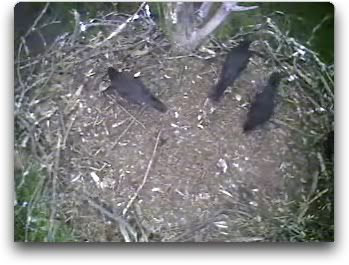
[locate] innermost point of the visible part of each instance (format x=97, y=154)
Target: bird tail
x=218, y=91
x=157, y=104
x=248, y=126
x=274, y=81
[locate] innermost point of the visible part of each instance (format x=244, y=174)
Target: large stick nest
x=117, y=172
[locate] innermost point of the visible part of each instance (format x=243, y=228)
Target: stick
x=67, y=131
x=133, y=117
x=123, y=25
x=145, y=176
x=127, y=128
x=32, y=28
x=117, y=219
x=76, y=27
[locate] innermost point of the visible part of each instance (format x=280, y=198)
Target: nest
x=118, y=172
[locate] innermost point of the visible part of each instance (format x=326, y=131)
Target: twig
x=321, y=161
x=118, y=219
x=145, y=176
x=76, y=27
x=126, y=129
x=42, y=37
x=32, y=28
x=307, y=205
x=280, y=122
x=123, y=25
x=179, y=57
x=314, y=184
x=122, y=134
x=139, y=216
x=26, y=49
x=51, y=232
x=316, y=28
x=49, y=76
x=30, y=135
x=19, y=76
x=132, y=116
x=49, y=23
x=198, y=227
x=26, y=88
x=96, y=24
x=70, y=125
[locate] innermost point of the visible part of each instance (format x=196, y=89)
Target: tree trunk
x=188, y=27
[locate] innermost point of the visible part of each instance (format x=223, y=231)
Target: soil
x=206, y=176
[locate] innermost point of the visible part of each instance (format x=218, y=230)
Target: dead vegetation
x=112, y=171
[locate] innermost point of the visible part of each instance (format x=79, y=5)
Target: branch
x=234, y=7
x=22, y=43
x=224, y=10
x=123, y=25
x=211, y=25
x=32, y=28
x=118, y=219
x=76, y=27
x=204, y=9
x=316, y=28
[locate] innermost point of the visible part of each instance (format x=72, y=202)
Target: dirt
x=206, y=177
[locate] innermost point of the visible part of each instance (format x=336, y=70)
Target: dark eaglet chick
x=235, y=62
x=133, y=90
x=263, y=105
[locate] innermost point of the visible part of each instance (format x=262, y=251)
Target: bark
x=180, y=26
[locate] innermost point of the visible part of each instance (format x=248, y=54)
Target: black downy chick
x=263, y=105
x=235, y=62
x=133, y=90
